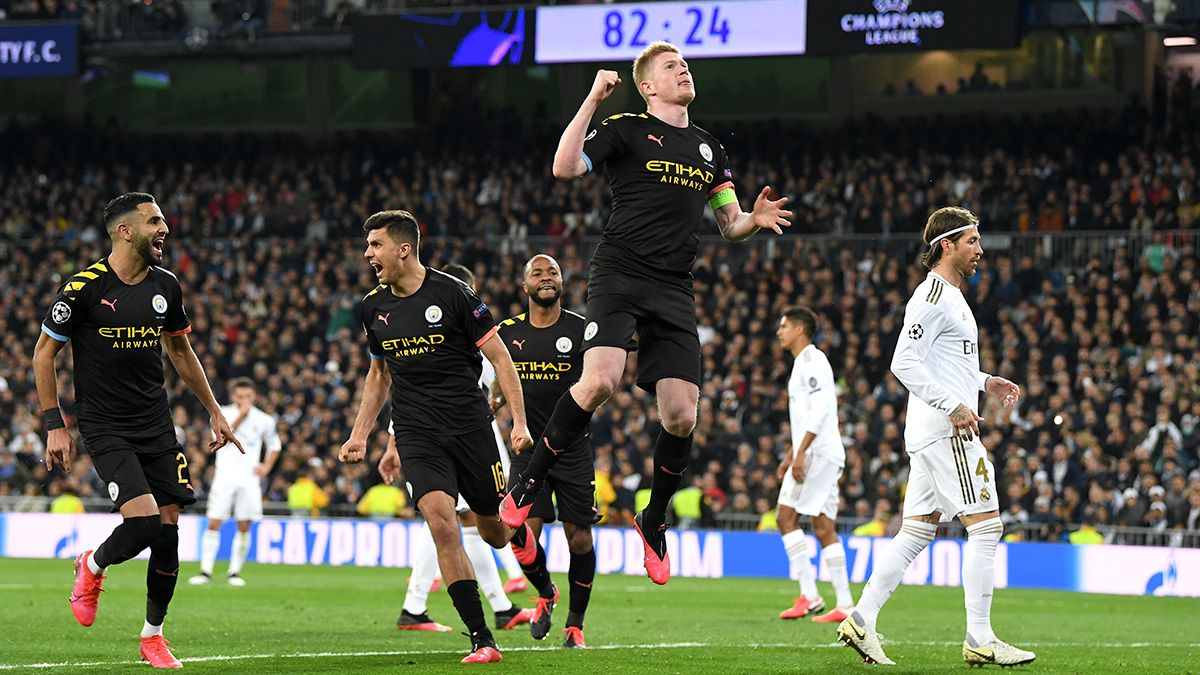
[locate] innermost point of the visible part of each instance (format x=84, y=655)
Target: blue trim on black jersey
x=587, y=160
x=56, y=336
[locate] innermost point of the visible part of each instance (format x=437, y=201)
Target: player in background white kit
x=937, y=359
x=236, y=489
x=809, y=474
x=414, y=614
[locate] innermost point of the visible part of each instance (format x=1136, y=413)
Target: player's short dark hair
x=122, y=206
x=940, y=222
x=803, y=316
x=461, y=273
x=401, y=226
x=240, y=382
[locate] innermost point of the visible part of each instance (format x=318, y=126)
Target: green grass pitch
x=342, y=619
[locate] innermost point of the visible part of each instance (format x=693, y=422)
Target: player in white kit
x=414, y=614
x=937, y=359
x=810, y=473
x=236, y=490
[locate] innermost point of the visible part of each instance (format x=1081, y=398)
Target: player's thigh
x=117, y=464
x=220, y=501
x=819, y=491
x=427, y=465
x=612, y=316
x=166, y=468
x=789, y=492
x=920, y=497
x=979, y=477
x=481, y=479
x=574, y=485
x=668, y=344
x=247, y=504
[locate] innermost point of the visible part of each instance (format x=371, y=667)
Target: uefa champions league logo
x=885, y=6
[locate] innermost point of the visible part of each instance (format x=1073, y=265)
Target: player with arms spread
x=663, y=171
x=544, y=344
x=119, y=313
x=426, y=330
x=937, y=359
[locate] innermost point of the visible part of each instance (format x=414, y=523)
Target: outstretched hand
x=769, y=214
x=1002, y=390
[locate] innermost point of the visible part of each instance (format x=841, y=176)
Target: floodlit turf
x=340, y=619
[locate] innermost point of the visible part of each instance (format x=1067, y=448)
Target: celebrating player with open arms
x=119, y=314
x=663, y=170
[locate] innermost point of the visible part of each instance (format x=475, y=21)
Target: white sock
x=796, y=545
x=208, y=550
x=512, y=568
x=150, y=631
x=889, y=570
x=835, y=560
x=241, y=544
x=979, y=577
x=92, y=566
x=486, y=574
x=424, y=569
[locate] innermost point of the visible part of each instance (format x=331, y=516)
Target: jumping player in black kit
x=544, y=343
x=426, y=330
x=119, y=313
x=663, y=170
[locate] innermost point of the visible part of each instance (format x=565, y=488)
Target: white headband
x=947, y=234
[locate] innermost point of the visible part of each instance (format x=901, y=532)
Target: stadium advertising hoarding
x=39, y=50
x=694, y=553
x=702, y=29
x=871, y=26
x=458, y=39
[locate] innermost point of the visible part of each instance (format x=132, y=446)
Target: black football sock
x=161, y=574
x=464, y=593
x=671, y=454
x=581, y=574
x=130, y=538
x=535, y=572
x=567, y=423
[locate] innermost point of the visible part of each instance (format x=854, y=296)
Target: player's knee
x=579, y=539
x=143, y=531
x=596, y=390
x=679, y=421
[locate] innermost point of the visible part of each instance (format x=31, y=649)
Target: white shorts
x=240, y=502
x=953, y=477
x=818, y=494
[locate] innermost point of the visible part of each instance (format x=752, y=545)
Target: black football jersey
x=662, y=177
x=431, y=341
x=115, y=330
x=548, y=361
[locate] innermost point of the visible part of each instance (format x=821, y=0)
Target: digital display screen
x=869, y=26
x=39, y=50
x=618, y=32
x=459, y=39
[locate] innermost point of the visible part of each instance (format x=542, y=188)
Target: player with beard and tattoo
x=119, y=313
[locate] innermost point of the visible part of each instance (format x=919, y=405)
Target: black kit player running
x=119, y=313
x=427, y=331
x=663, y=171
x=544, y=343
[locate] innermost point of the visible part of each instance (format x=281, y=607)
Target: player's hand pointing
x=520, y=438
x=769, y=214
x=965, y=421
x=222, y=434
x=353, y=451
x=605, y=83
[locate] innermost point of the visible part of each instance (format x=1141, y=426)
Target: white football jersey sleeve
x=812, y=405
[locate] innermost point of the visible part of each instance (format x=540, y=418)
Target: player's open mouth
x=157, y=245
x=377, y=267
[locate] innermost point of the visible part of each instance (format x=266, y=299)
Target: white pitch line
x=15, y=587
x=668, y=645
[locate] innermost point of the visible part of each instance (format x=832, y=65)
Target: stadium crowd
x=268, y=248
